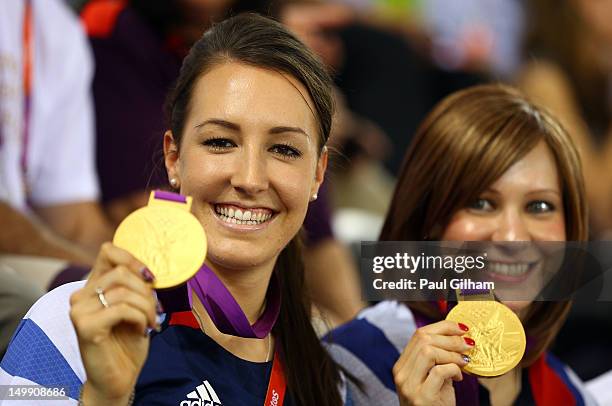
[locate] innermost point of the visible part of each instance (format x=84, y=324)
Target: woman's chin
x=235, y=260
x=517, y=306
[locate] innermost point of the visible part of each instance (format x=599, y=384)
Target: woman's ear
x=319, y=172
x=171, y=159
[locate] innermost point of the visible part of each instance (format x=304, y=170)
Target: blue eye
x=540, y=206
x=286, y=151
x=219, y=144
x=481, y=205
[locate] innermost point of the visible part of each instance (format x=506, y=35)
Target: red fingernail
x=469, y=341
x=147, y=275
x=463, y=327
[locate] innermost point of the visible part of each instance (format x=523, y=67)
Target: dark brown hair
x=462, y=147
x=312, y=376
x=567, y=48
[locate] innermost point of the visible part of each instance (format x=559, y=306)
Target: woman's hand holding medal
x=430, y=362
x=111, y=315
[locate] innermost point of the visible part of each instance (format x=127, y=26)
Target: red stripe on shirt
x=184, y=319
x=547, y=386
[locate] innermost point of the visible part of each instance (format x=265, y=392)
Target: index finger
x=446, y=328
x=111, y=256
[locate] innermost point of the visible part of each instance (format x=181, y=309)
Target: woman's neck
x=248, y=287
x=504, y=389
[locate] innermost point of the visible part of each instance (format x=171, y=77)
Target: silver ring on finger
x=102, y=298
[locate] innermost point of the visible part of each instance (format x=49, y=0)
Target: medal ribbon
x=219, y=303
x=226, y=313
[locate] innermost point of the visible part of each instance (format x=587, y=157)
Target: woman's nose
x=512, y=226
x=250, y=175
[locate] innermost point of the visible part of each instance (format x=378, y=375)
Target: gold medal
x=165, y=237
x=498, y=333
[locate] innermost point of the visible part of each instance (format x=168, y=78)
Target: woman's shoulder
x=389, y=322
x=368, y=346
x=601, y=388
x=44, y=348
x=554, y=382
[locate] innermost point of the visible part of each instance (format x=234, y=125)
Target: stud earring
x=314, y=197
x=174, y=183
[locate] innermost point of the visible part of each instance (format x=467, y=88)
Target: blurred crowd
x=82, y=89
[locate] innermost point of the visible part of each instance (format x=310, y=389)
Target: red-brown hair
x=462, y=147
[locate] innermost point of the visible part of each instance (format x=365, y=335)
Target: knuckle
x=420, y=334
x=133, y=263
x=428, y=352
x=121, y=272
x=459, y=342
x=398, y=378
x=426, y=339
x=121, y=292
x=106, y=247
x=74, y=298
x=396, y=369
x=437, y=371
x=74, y=317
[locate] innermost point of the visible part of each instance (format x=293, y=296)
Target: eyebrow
x=235, y=127
x=531, y=192
x=285, y=129
x=222, y=123
x=554, y=191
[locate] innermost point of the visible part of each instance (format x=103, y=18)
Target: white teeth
x=238, y=216
x=508, y=269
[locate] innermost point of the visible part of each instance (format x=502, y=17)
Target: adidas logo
x=204, y=395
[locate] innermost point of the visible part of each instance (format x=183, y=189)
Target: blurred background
x=391, y=60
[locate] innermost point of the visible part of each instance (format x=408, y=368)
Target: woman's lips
x=241, y=218
x=510, y=272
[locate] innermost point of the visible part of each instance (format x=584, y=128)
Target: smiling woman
x=249, y=118
x=485, y=165
x=248, y=150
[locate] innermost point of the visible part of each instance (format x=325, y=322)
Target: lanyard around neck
x=27, y=56
x=277, y=385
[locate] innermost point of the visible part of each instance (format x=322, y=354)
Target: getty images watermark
x=435, y=270
x=420, y=263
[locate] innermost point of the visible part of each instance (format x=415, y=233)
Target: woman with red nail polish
x=486, y=165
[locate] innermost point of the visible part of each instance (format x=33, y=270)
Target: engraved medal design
x=498, y=333
x=165, y=237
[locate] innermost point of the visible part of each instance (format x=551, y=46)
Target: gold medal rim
x=126, y=227
x=511, y=315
